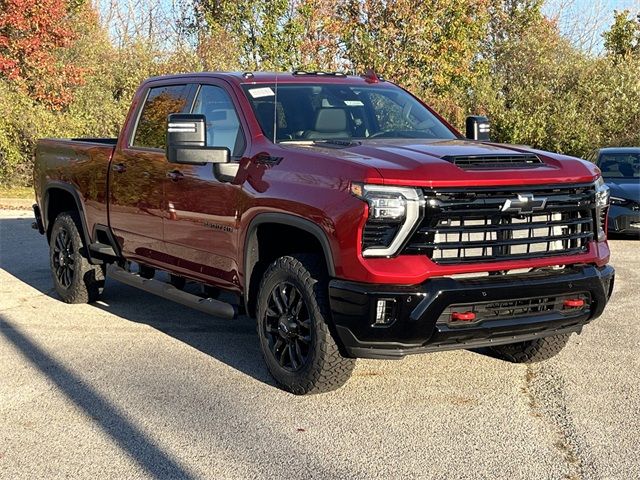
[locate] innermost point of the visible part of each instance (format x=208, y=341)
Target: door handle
x=175, y=175
x=119, y=168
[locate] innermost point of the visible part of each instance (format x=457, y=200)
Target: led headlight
x=602, y=206
x=617, y=201
x=393, y=212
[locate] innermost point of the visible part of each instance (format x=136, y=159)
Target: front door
x=138, y=175
x=200, y=226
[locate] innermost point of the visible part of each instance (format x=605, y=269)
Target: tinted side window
x=161, y=101
x=223, y=126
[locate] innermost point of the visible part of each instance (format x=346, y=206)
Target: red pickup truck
x=343, y=214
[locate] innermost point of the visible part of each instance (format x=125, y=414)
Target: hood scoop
x=495, y=161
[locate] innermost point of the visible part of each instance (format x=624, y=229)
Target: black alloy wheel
x=294, y=316
x=287, y=327
x=63, y=258
x=75, y=278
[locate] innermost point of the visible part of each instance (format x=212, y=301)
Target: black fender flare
x=290, y=220
x=67, y=187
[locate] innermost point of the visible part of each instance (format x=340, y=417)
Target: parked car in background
x=620, y=168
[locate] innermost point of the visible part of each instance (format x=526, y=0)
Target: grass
x=16, y=192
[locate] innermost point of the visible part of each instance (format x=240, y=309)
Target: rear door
x=200, y=228
x=138, y=173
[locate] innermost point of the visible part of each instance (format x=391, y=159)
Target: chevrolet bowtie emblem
x=525, y=203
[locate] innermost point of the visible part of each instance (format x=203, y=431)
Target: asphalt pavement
x=138, y=387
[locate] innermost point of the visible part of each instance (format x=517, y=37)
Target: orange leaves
x=32, y=35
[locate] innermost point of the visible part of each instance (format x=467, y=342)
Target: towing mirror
x=478, y=128
x=187, y=141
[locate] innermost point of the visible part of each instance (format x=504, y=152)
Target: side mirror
x=187, y=140
x=478, y=128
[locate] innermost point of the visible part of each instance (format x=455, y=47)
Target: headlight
x=393, y=212
x=618, y=201
x=602, y=206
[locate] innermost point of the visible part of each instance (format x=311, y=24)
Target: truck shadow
x=24, y=255
x=148, y=455
x=234, y=342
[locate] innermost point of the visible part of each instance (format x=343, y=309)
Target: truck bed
x=83, y=164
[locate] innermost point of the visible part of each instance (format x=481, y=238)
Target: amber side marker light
x=463, y=316
x=573, y=303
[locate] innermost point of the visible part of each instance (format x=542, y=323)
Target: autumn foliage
x=67, y=70
x=32, y=33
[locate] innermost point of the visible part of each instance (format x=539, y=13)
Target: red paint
x=463, y=316
x=160, y=222
x=573, y=303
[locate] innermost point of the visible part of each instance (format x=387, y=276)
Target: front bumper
x=624, y=220
x=417, y=324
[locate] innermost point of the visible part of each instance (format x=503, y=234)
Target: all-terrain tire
x=324, y=369
x=81, y=282
x=532, y=351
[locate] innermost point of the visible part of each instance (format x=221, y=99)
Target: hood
x=428, y=163
x=627, y=188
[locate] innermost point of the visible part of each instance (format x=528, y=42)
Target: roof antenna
x=275, y=111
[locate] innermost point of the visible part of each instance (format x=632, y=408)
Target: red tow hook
x=463, y=316
x=573, y=303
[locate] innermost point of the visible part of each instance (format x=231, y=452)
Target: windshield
x=620, y=165
x=342, y=112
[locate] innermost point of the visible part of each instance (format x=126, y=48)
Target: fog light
x=463, y=316
x=385, y=311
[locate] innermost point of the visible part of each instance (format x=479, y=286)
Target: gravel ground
x=139, y=387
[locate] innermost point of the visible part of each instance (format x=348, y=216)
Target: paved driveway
x=136, y=386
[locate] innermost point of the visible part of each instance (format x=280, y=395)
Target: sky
x=583, y=21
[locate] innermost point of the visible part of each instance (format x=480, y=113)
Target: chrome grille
x=479, y=225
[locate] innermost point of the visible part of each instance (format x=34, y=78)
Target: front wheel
x=74, y=278
x=296, y=343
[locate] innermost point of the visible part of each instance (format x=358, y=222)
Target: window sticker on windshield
x=261, y=92
x=354, y=103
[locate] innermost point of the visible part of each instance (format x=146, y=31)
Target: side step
x=102, y=249
x=206, y=305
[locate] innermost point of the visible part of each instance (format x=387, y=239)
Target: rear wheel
x=532, y=351
x=74, y=278
x=296, y=343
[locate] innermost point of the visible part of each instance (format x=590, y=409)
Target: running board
x=206, y=305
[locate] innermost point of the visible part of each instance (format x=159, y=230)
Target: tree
x=273, y=34
x=623, y=39
x=428, y=47
x=32, y=33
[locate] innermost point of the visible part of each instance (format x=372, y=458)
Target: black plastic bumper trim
x=416, y=328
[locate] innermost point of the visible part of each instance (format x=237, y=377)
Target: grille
x=515, y=308
x=504, y=224
x=494, y=161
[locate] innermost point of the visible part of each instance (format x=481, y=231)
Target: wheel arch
x=61, y=197
x=291, y=224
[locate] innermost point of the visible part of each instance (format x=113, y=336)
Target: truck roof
x=297, y=76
